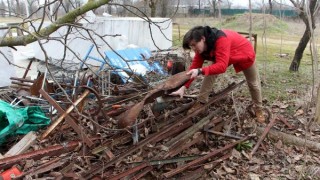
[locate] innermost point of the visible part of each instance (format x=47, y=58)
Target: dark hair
x=196, y=33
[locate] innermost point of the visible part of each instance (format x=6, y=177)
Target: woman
x=222, y=48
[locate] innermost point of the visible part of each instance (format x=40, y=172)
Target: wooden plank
x=23, y=145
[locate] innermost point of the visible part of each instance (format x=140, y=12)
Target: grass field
x=279, y=37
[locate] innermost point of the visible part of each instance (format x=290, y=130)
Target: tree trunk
x=290, y=139
x=299, y=51
x=9, y=7
x=153, y=5
x=317, y=114
x=306, y=36
x=18, y=8
x=214, y=4
x=109, y=9
x=270, y=6
x=164, y=8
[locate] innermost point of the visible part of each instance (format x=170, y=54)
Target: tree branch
x=68, y=18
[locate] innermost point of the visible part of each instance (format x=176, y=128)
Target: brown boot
x=197, y=105
x=260, y=115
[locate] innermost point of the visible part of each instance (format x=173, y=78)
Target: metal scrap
x=128, y=118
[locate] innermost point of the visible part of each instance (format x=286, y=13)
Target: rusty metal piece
x=70, y=119
x=195, y=174
x=47, y=166
x=5, y=95
x=141, y=174
x=37, y=85
x=286, y=122
x=155, y=136
x=190, y=131
x=130, y=171
x=266, y=131
x=175, y=131
x=27, y=70
x=222, y=134
x=25, y=84
x=179, y=148
x=21, y=84
x=22, y=79
x=99, y=102
x=59, y=120
x=37, y=154
x=128, y=118
x=202, y=159
x=211, y=128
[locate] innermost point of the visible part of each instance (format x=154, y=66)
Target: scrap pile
x=103, y=130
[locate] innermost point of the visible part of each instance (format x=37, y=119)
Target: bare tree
x=301, y=8
x=270, y=6
x=18, y=8
x=164, y=8
x=153, y=6
x=2, y=9
x=9, y=7
x=214, y=4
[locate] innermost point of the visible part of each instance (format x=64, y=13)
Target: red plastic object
x=10, y=173
x=169, y=64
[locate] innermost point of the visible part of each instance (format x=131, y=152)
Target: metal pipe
x=57, y=122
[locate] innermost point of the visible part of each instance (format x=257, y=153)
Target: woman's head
x=199, y=39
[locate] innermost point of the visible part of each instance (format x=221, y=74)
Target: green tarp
x=15, y=121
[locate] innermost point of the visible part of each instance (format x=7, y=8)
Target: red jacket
x=230, y=49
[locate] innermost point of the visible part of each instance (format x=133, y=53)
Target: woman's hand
x=194, y=73
x=179, y=92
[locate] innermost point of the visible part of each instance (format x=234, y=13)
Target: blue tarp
x=132, y=60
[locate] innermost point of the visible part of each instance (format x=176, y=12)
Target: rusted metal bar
x=22, y=79
x=177, y=149
x=27, y=70
x=36, y=86
x=223, y=134
x=50, y=151
x=48, y=166
x=59, y=120
x=285, y=122
x=166, y=129
x=129, y=117
x=202, y=159
x=69, y=119
x=170, y=161
x=21, y=87
x=21, y=84
x=162, y=162
x=175, y=111
x=130, y=171
x=266, y=131
x=196, y=174
x=193, y=129
x=215, y=162
x=174, y=131
x=141, y=174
